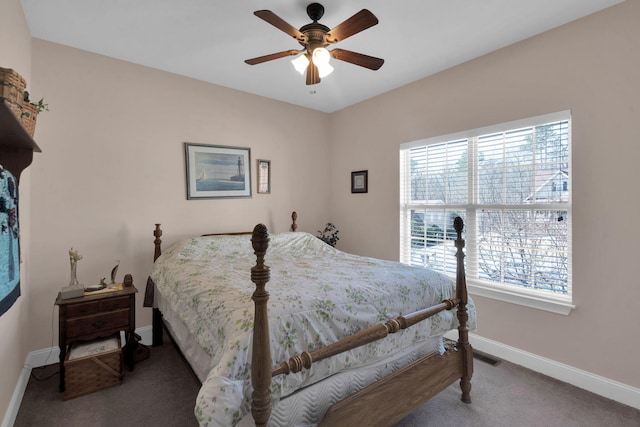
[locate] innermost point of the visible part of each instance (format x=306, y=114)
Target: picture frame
x=359, y=181
x=217, y=171
x=264, y=177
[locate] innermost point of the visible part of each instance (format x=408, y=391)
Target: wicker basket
x=92, y=366
x=28, y=117
x=12, y=87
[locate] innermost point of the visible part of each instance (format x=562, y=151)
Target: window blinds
x=511, y=185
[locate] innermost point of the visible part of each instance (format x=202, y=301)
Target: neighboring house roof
x=550, y=185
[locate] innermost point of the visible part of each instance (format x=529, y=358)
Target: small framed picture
x=264, y=176
x=217, y=171
x=359, y=182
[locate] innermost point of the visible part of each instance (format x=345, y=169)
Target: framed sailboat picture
x=217, y=171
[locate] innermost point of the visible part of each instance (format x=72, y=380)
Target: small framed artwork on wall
x=216, y=171
x=264, y=176
x=359, y=181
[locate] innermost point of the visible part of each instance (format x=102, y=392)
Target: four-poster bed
x=331, y=369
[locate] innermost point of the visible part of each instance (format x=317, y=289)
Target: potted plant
x=13, y=93
x=30, y=111
x=40, y=105
x=329, y=235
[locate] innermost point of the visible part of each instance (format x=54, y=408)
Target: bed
x=336, y=325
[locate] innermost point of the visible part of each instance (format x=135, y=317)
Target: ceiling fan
x=315, y=38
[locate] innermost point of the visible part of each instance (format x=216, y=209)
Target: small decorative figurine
x=113, y=273
x=97, y=287
x=74, y=257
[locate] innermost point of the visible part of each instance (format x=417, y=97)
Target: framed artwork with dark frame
x=217, y=171
x=9, y=241
x=359, y=181
x=264, y=176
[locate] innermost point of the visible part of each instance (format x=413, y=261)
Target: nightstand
x=98, y=316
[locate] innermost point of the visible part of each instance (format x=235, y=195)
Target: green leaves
x=40, y=104
x=329, y=235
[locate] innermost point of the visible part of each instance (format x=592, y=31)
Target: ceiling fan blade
x=265, y=58
x=313, y=75
x=358, y=22
x=366, y=61
x=280, y=24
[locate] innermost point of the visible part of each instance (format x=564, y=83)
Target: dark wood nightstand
x=98, y=316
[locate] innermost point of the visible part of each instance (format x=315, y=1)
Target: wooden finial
x=157, y=242
x=294, y=217
x=458, y=224
x=260, y=238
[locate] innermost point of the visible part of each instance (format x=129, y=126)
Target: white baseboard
x=16, y=398
x=146, y=334
x=45, y=357
x=601, y=386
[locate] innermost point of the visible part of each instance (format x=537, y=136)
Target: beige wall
x=589, y=66
x=113, y=165
x=15, y=52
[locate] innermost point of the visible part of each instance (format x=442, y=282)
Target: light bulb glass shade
x=324, y=70
x=300, y=63
x=321, y=56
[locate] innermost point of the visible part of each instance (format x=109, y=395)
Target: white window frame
x=560, y=304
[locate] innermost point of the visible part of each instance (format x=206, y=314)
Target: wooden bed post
x=157, y=243
x=463, y=315
x=156, y=320
x=261, y=351
x=294, y=217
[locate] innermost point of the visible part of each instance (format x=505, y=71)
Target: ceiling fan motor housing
x=315, y=11
x=315, y=33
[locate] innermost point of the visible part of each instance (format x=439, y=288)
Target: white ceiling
x=209, y=40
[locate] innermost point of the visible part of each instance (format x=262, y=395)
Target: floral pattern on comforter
x=318, y=295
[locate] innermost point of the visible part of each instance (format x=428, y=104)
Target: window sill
x=521, y=298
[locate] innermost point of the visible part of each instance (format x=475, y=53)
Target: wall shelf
x=16, y=146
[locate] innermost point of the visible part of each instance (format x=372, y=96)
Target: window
x=511, y=185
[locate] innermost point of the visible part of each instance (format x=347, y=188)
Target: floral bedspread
x=318, y=295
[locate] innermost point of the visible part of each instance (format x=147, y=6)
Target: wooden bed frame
x=382, y=403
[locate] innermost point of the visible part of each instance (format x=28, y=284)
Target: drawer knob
x=99, y=323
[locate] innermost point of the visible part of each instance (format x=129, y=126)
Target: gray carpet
x=161, y=391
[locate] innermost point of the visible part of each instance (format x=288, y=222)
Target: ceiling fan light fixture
x=324, y=70
x=320, y=56
x=300, y=63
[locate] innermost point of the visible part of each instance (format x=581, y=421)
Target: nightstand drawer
x=97, y=324
x=86, y=308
